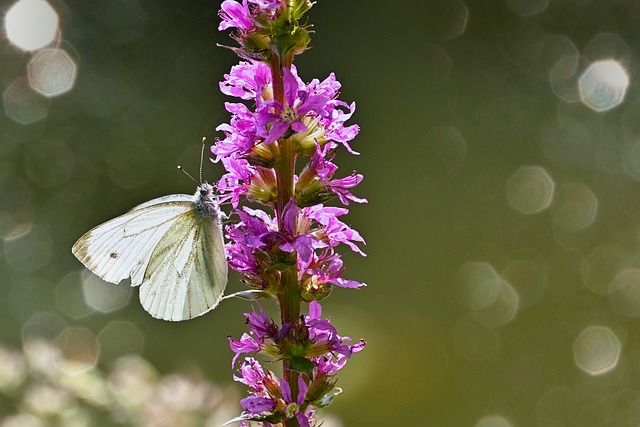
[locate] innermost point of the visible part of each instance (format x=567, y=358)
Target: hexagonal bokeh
x=606, y=46
x=625, y=292
x=600, y=267
x=477, y=284
x=52, y=72
x=43, y=326
x=454, y=17
x=29, y=251
x=503, y=308
x=69, y=297
x=491, y=298
x=120, y=338
x=576, y=207
x=22, y=104
x=530, y=190
x=31, y=24
x=79, y=350
x=103, y=296
x=603, y=85
x=597, y=350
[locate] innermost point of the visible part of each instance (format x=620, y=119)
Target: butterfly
x=171, y=246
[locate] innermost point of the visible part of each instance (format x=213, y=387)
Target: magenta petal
x=277, y=130
x=286, y=390
x=315, y=310
x=302, y=387
x=303, y=420
x=290, y=86
x=257, y=404
x=298, y=126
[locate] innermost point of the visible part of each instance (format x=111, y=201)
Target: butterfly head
x=206, y=201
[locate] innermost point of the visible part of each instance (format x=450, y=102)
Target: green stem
x=289, y=296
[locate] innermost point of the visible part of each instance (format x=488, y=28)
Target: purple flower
x=235, y=15
x=327, y=268
x=240, y=133
x=247, y=344
x=253, y=376
x=257, y=404
x=318, y=173
x=294, y=406
x=274, y=119
x=324, y=336
x=247, y=81
x=270, y=246
x=333, y=230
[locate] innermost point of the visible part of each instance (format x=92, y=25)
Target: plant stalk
x=289, y=296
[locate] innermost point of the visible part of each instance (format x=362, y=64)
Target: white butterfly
x=171, y=246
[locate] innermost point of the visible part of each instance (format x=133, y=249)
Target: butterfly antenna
x=188, y=174
x=202, y=157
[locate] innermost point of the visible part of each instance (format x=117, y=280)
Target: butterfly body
x=171, y=246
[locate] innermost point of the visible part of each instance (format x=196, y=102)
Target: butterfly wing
x=187, y=271
x=121, y=248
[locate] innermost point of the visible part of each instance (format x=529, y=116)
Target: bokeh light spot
x=453, y=19
x=50, y=163
x=29, y=251
x=503, y=308
x=43, y=326
x=562, y=78
x=600, y=266
x=16, y=208
x=70, y=298
x=478, y=284
x=530, y=190
x=607, y=46
x=493, y=421
x=597, y=350
x=52, y=72
x=576, y=207
x=31, y=24
x=103, y=296
x=625, y=292
x=22, y=104
x=603, y=85
x=120, y=338
x=79, y=350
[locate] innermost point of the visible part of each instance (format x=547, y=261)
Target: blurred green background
x=501, y=151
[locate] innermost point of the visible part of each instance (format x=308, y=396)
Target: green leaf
x=302, y=364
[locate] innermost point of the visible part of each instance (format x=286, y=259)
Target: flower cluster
x=287, y=249
x=316, y=349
